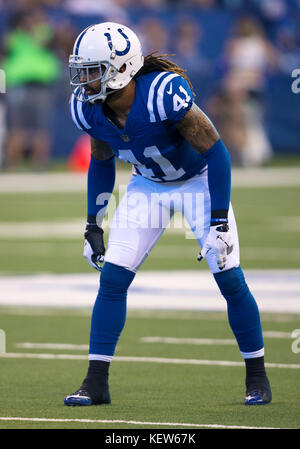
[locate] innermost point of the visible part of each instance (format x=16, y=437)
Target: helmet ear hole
x=123, y=68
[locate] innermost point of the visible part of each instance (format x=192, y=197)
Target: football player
x=142, y=111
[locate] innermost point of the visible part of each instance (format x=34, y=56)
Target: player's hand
x=94, y=248
x=219, y=241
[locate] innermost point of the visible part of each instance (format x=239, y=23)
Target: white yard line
x=46, y=356
x=71, y=347
x=266, y=177
x=49, y=182
x=58, y=229
x=152, y=339
x=73, y=228
x=76, y=182
x=121, y=421
x=70, y=229
x=286, y=223
x=247, y=253
x=205, y=341
x=277, y=334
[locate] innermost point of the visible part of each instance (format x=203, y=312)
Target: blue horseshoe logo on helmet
x=128, y=44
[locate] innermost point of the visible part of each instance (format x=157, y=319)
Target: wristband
x=217, y=221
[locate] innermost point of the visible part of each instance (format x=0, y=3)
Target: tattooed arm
x=201, y=134
x=198, y=130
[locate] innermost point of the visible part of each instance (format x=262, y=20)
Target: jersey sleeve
x=174, y=98
x=80, y=114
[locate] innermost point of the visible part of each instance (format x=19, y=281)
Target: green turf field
x=144, y=391
x=267, y=221
x=42, y=232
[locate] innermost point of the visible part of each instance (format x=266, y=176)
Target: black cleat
x=83, y=397
x=94, y=389
x=80, y=397
x=259, y=393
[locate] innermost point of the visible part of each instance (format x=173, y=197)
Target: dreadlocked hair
x=153, y=63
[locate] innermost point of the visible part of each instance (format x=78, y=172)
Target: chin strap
x=94, y=98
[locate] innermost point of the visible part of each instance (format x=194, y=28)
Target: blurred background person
x=63, y=41
x=287, y=41
x=149, y=4
x=236, y=51
x=154, y=34
x=250, y=57
x=225, y=108
x=32, y=69
x=2, y=120
x=85, y=11
x=187, y=46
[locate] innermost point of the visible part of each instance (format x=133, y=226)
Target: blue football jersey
x=150, y=140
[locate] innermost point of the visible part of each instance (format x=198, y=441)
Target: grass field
x=36, y=232
x=42, y=232
x=144, y=391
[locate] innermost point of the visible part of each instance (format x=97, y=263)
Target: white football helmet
x=102, y=49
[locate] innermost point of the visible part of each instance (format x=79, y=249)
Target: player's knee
x=123, y=255
x=231, y=282
x=115, y=279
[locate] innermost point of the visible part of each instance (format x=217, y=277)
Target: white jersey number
x=171, y=173
x=179, y=102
